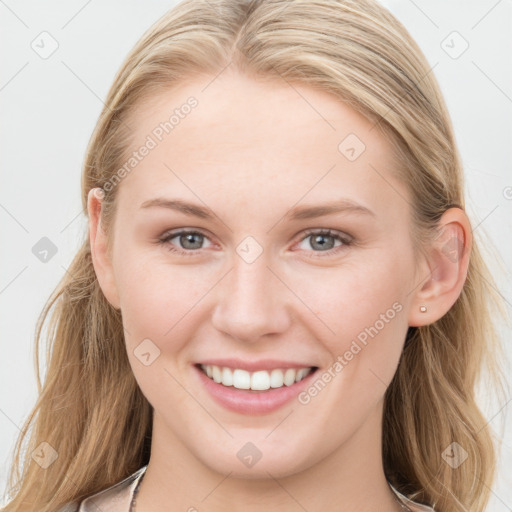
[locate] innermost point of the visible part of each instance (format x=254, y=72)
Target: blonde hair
x=90, y=408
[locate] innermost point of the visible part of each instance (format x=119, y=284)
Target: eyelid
x=342, y=236
x=173, y=233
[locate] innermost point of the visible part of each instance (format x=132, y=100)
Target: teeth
x=227, y=377
x=257, y=381
x=241, y=379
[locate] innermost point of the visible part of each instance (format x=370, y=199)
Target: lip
x=254, y=366
x=251, y=402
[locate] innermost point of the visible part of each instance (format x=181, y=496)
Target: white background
x=50, y=106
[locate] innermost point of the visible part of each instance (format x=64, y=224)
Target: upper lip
x=252, y=366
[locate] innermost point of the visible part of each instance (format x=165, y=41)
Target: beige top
x=118, y=497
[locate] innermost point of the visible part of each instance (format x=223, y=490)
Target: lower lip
x=252, y=402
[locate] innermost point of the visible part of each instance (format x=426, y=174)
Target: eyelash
x=346, y=241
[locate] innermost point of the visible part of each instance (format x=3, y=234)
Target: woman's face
x=256, y=281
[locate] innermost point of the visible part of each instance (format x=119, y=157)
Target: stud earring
x=423, y=309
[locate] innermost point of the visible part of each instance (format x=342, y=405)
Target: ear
x=448, y=260
x=101, y=259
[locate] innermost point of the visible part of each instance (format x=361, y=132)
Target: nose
x=252, y=302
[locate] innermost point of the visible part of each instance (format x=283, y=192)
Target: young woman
x=279, y=304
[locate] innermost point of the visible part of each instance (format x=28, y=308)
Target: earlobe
x=448, y=260
x=100, y=257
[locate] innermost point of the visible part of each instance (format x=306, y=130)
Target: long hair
x=92, y=415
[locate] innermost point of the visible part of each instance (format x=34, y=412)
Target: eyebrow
x=297, y=213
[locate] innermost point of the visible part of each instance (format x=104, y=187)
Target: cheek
x=364, y=305
x=158, y=299
x=359, y=309
x=157, y=303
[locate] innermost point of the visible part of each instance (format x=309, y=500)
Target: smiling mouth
x=256, y=382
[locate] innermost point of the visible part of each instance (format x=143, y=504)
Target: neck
x=350, y=479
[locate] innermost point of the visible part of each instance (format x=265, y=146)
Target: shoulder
x=114, y=498
x=412, y=505
x=70, y=507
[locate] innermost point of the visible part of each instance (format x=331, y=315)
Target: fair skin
x=250, y=152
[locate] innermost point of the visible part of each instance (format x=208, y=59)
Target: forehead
x=267, y=139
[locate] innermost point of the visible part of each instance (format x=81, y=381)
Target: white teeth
x=289, y=376
x=301, y=374
x=217, y=374
x=227, y=377
x=241, y=379
x=276, y=379
x=258, y=381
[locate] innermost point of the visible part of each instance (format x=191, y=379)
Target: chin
x=277, y=466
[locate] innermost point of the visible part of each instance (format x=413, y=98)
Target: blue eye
x=321, y=241
x=189, y=240
x=324, y=240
